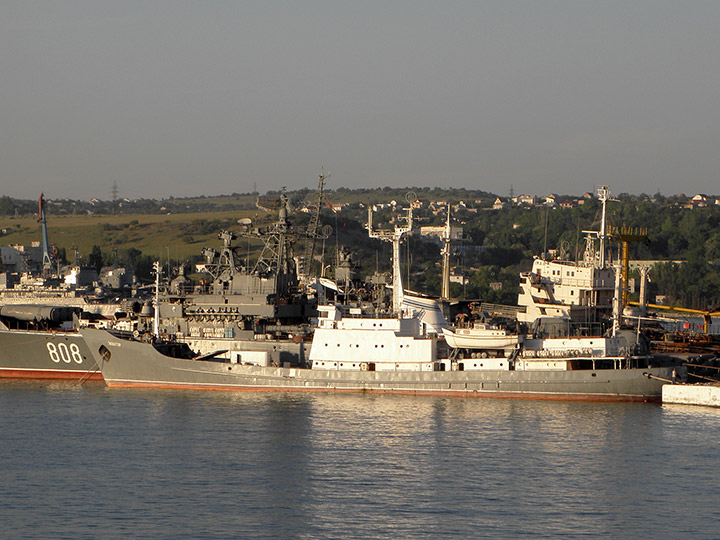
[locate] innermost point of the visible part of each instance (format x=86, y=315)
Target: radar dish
x=245, y=221
x=411, y=197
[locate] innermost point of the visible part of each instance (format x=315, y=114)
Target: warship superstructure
x=241, y=308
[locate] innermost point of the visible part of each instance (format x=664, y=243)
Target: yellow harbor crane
x=625, y=235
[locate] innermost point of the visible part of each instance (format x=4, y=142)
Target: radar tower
x=47, y=263
x=314, y=224
x=395, y=236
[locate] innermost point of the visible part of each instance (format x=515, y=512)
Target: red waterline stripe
x=49, y=374
x=439, y=393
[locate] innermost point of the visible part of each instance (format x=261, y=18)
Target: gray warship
x=405, y=353
x=39, y=342
x=382, y=355
x=40, y=309
x=238, y=308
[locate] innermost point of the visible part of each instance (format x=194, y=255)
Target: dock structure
x=692, y=394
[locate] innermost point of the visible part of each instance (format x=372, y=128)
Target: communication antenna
x=445, y=294
x=114, y=192
x=603, y=195
x=157, y=269
x=314, y=223
x=47, y=264
x=395, y=236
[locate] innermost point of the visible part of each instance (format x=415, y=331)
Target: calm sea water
x=92, y=462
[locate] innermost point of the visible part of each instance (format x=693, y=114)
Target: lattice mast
x=47, y=263
x=276, y=256
x=599, y=259
x=314, y=224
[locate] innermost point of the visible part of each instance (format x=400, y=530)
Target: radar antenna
x=599, y=260
x=314, y=224
x=47, y=263
x=395, y=236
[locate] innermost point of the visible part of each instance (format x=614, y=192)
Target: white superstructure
x=372, y=343
x=577, y=290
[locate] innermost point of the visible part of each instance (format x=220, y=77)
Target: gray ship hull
x=29, y=354
x=133, y=364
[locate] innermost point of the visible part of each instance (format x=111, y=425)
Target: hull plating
x=139, y=365
x=26, y=354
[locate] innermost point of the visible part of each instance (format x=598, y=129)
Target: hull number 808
x=62, y=353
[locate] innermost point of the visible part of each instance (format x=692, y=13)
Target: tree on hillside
x=7, y=207
x=95, y=259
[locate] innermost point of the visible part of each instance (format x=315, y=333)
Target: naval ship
x=40, y=311
x=403, y=352
x=40, y=342
x=238, y=308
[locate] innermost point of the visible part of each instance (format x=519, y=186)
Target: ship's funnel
x=427, y=310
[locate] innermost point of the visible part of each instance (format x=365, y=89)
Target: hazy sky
x=188, y=98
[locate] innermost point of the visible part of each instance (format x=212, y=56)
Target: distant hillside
x=500, y=236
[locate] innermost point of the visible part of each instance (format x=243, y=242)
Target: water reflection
x=166, y=464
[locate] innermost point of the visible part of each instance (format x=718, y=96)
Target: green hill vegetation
x=497, y=244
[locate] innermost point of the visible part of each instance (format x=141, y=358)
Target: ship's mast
x=47, y=263
x=314, y=224
x=276, y=258
x=603, y=193
x=445, y=293
x=643, y=289
x=156, y=317
x=395, y=236
x=617, y=300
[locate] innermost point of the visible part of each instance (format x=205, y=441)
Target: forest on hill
x=500, y=237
